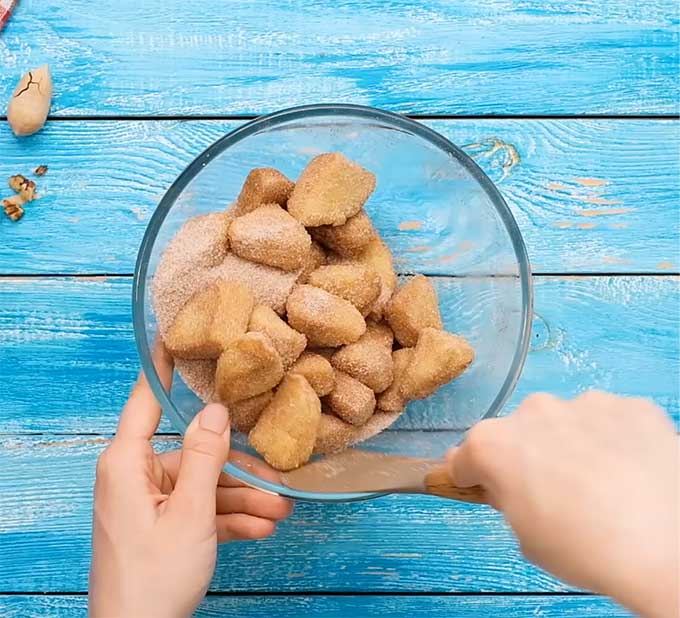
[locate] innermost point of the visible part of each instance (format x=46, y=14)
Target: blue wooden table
x=571, y=107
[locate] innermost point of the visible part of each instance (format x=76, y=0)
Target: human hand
x=158, y=518
x=590, y=487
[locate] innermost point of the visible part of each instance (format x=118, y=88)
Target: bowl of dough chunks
x=337, y=277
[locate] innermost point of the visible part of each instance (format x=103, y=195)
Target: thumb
x=204, y=453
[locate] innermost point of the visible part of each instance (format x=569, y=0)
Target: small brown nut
x=438, y=358
x=13, y=207
x=23, y=186
x=210, y=320
x=286, y=431
x=330, y=190
x=317, y=370
x=413, y=307
x=315, y=258
x=244, y=413
x=333, y=435
x=248, y=367
x=356, y=283
x=30, y=102
x=351, y=400
x=349, y=239
x=377, y=256
x=326, y=319
x=368, y=360
x=269, y=235
x=391, y=399
x=287, y=341
x=263, y=185
x=41, y=170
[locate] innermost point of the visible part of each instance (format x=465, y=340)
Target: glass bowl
x=437, y=211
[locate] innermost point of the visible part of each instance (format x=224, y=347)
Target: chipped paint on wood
x=603, y=212
x=591, y=182
x=411, y=225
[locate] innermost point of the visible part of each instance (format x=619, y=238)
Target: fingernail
x=214, y=417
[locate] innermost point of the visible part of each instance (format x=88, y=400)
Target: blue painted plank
x=589, y=195
x=71, y=343
x=467, y=57
x=516, y=606
x=396, y=543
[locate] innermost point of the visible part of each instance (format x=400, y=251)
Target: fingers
x=255, y=466
x=204, y=453
x=240, y=527
x=475, y=460
x=142, y=412
x=252, y=502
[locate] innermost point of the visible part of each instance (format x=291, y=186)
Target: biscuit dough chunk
x=334, y=435
x=438, y=358
x=287, y=341
x=286, y=431
x=317, y=370
x=413, y=307
x=391, y=400
x=209, y=321
x=269, y=235
x=358, y=284
x=263, y=185
x=368, y=360
x=330, y=190
x=315, y=258
x=248, y=367
x=349, y=239
x=327, y=320
x=351, y=400
x=244, y=413
x=377, y=255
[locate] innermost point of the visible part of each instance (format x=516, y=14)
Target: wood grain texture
x=68, y=358
x=530, y=57
x=588, y=195
x=516, y=606
x=390, y=544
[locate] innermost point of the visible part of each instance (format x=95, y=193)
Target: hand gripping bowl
x=439, y=214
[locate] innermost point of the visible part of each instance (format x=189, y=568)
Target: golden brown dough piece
x=315, y=258
x=349, y=239
x=248, y=367
x=358, y=284
x=330, y=190
x=350, y=399
x=263, y=185
x=438, y=358
x=327, y=320
x=333, y=435
x=413, y=307
x=210, y=321
x=317, y=370
x=377, y=256
x=269, y=235
x=287, y=341
x=391, y=400
x=369, y=360
x=244, y=413
x=286, y=431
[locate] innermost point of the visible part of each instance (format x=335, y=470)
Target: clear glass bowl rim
x=361, y=112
